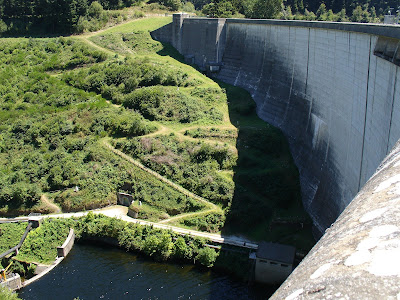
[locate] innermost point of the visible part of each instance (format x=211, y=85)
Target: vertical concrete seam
x=365, y=115
x=305, y=89
x=308, y=60
x=391, y=111
x=291, y=83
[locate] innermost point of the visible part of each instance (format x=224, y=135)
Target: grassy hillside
x=69, y=105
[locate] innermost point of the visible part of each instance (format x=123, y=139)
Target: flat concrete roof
x=276, y=252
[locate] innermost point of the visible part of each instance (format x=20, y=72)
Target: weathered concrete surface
x=202, y=40
x=67, y=245
x=330, y=95
x=320, y=82
x=359, y=255
x=13, y=282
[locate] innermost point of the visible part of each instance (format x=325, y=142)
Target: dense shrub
x=158, y=103
x=193, y=165
x=41, y=244
x=212, y=222
x=7, y=294
x=157, y=243
x=207, y=257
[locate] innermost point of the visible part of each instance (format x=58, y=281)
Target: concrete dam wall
x=333, y=89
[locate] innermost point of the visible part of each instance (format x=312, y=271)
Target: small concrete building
x=13, y=282
x=274, y=262
x=124, y=199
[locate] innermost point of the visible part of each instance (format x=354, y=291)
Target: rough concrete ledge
x=43, y=273
x=387, y=30
x=359, y=255
x=68, y=244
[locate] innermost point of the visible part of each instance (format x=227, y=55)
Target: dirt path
x=187, y=215
x=160, y=177
x=163, y=130
x=90, y=43
x=50, y=204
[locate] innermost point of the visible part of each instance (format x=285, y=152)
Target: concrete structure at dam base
x=334, y=91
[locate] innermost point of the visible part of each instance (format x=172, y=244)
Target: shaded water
x=102, y=272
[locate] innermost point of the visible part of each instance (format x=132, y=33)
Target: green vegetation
x=60, y=16
x=224, y=135
x=40, y=246
x=10, y=235
x=193, y=165
x=52, y=131
x=157, y=243
x=6, y=294
x=212, y=222
x=315, y=10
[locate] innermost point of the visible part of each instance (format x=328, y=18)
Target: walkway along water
x=119, y=212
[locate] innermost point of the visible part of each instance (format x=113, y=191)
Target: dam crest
x=334, y=91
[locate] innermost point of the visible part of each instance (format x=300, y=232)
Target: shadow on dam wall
x=266, y=202
x=321, y=83
x=280, y=97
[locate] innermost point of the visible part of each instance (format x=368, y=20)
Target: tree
x=309, y=15
x=181, y=249
x=266, y=9
x=3, y=28
x=173, y=5
x=165, y=246
x=207, y=256
x=341, y=16
x=221, y=9
x=321, y=12
x=188, y=7
x=357, y=15
x=95, y=10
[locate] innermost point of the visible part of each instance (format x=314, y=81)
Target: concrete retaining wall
x=68, y=244
x=337, y=102
x=13, y=282
x=200, y=40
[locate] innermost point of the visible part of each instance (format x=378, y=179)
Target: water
x=102, y=272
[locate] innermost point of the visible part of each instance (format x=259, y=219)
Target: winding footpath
x=120, y=212
x=175, y=186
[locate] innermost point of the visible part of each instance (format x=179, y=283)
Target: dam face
x=333, y=89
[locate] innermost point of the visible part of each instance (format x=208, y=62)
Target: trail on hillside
x=50, y=204
x=163, y=130
x=175, y=186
